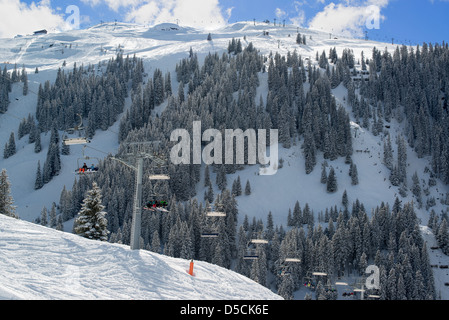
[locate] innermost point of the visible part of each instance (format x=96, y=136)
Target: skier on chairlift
x=83, y=168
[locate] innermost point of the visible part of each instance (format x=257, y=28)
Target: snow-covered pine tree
x=331, y=185
x=44, y=216
x=388, y=153
x=10, y=147
x=354, y=175
x=39, y=182
x=286, y=287
x=24, y=79
x=37, y=142
x=53, y=221
x=442, y=236
x=6, y=200
x=323, y=174
x=247, y=188
x=416, y=189
x=91, y=222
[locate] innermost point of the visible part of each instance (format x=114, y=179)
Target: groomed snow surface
x=40, y=263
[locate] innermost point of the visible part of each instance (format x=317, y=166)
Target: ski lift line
x=86, y=146
x=125, y=163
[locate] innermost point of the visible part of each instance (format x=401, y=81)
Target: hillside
x=162, y=47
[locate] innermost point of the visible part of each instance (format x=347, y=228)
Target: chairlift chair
x=215, y=212
x=259, y=241
x=309, y=281
x=209, y=234
x=156, y=205
x=251, y=254
x=159, y=173
x=210, y=230
x=285, y=271
x=81, y=170
x=157, y=202
x=75, y=140
x=286, y=266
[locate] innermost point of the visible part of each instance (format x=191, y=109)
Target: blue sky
x=407, y=21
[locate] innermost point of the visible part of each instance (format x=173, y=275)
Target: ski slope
x=162, y=46
x=39, y=263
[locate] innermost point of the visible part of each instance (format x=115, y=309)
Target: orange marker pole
x=191, y=268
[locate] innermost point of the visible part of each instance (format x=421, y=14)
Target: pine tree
x=402, y=159
x=442, y=236
x=59, y=225
x=207, y=181
x=53, y=221
x=331, y=185
x=344, y=199
x=91, y=222
x=388, y=153
x=323, y=174
x=354, y=175
x=25, y=82
x=10, y=147
x=416, y=189
x=6, y=201
x=44, y=219
x=39, y=182
x=299, y=38
x=247, y=188
x=286, y=287
x=37, y=142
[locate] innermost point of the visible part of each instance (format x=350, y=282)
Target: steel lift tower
x=132, y=156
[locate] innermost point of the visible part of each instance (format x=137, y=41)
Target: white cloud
x=113, y=4
x=206, y=13
x=350, y=18
x=279, y=13
x=21, y=18
x=300, y=17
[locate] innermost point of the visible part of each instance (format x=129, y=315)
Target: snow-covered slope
x=162, y=47
x=41, y=263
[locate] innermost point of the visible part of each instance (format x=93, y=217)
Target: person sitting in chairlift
x=83, y=168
